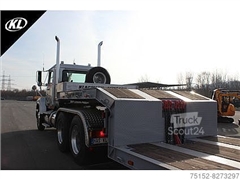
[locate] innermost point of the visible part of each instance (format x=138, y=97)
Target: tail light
x=97, y=134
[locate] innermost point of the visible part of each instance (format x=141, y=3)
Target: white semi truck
x=142, y=126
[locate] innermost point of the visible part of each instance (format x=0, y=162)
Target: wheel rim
x=38, y=121
x=99, y=77
x=38, y=118
x=59, y=132
x=75, y=140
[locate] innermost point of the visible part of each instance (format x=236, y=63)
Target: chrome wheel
x=62, y=126
x=75, y=140
x=59, y=132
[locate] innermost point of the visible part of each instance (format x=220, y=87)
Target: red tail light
x=101, y=134
x=97, y=134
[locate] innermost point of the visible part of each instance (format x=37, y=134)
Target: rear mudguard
x=89, y=120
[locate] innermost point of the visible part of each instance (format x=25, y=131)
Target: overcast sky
x=160, y=42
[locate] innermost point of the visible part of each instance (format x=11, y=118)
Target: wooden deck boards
x=216, y=150
x=182, y=160
x=177, y=159
x=159, y=94
x=190, y=95
x=123, y=93
x=231, y=141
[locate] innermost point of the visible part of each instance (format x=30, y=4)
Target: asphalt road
x=23, y=147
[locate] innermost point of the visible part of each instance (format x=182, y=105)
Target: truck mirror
x=39, y=78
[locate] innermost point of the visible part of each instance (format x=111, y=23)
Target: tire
x=77, y=141
x=98, y=75
x=63, y=132
x=225, y=120
x=40, y=120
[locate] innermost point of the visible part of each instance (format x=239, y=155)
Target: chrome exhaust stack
x=56, y=71
x=99, y=54
x=57, y=60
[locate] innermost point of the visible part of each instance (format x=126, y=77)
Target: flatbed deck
x=190, y=95
x=223, y=139
x=208, y=153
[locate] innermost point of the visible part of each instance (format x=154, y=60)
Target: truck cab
x=61, y=72
x=67, y=73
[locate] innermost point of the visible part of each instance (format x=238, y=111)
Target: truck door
x=49, y=90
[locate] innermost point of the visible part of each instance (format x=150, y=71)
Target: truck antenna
x=99, y=53
x=43, y=61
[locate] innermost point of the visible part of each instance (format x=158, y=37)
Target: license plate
x=99, y=140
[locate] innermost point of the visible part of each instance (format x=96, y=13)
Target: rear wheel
x=63, y=132
x=77, y=141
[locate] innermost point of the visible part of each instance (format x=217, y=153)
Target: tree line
x=17, y=94
x=205, y=82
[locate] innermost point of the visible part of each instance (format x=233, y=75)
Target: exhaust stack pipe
x=57, y=60
x=99, y=53
x=56, y=71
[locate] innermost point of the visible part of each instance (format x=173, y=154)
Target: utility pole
x=6, y=82
x=9, y=88
x=3, y=79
